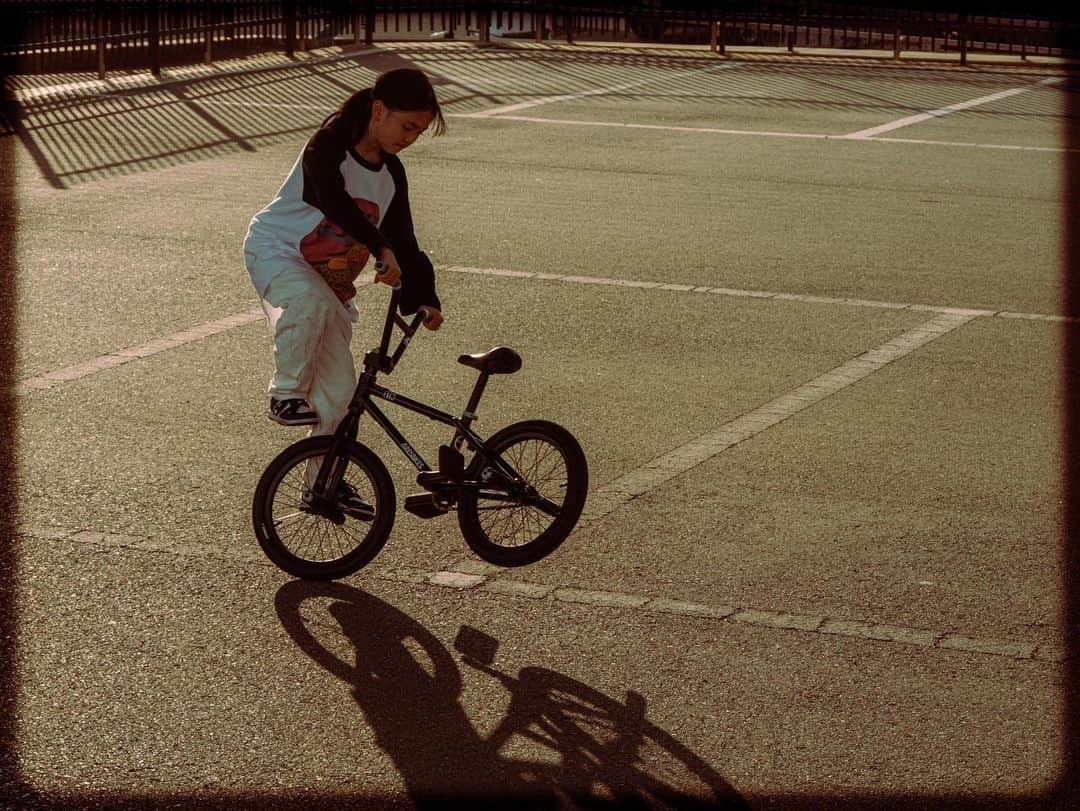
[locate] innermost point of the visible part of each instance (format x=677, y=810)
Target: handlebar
x=380, y=269
x=387, y=364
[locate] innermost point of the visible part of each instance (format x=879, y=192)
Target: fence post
x=568, y=21
x=369, y=23
x=483, y=22
x=896, y=38
x=289, y=9
x=963, y=37
x=538, y=20
x=99, y=32
x=155, y=37
x=208, y=21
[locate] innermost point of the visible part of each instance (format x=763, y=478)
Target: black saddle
x=502, y=360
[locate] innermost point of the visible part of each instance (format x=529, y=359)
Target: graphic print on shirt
x=335, y=255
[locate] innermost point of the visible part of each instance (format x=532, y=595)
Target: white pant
x=312, y=332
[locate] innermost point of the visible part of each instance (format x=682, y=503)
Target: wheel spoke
x=510, y=521
x=307, y=535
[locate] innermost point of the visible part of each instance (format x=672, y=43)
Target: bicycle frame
x=409, y=404
x=329, y=475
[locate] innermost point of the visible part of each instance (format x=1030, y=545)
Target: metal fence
x=59, y=35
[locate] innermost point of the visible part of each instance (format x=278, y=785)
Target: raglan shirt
x=334, y=203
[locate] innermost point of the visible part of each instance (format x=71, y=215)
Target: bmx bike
x=325, y=506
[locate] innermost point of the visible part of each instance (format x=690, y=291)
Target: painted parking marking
x=600, y=91
x=646, y=478
x=260, y=105
x=635, y=126
x=943, y=639
x=109, y=360
x=92, y=90
x=605, y=500
x=503, y=114
x=907, y=121
x=759, y=294
x=968, y=144
x=814, y=136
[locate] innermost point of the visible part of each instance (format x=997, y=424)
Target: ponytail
x=361, y=101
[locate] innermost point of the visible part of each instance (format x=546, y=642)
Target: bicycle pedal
x=424, y=505
x=431, y=480
x=451, y=464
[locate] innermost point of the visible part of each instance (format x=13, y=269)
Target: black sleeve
x=324, y=185
x=417, y=272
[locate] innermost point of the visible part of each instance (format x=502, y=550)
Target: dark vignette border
x=8, y=450
x=14, y=793
x=1069, y=788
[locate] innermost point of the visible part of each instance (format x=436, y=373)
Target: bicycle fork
x=331, y=471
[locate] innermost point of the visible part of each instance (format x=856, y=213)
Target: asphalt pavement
x=807, y=318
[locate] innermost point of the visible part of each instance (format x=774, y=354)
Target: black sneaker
x=293, y=411
x=350, y=503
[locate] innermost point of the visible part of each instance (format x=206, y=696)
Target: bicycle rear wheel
x=310, y=544
x=512, y=526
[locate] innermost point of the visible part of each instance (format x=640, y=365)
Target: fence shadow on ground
x=75, y=136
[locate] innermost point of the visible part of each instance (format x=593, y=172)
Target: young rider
x=345, y=199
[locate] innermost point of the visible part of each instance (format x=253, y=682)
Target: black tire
x=513, y=533
x=311, y=546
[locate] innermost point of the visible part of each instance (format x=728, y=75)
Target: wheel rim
x=512, y=523
x=311, y=537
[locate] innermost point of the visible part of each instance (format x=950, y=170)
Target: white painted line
x=952, y=108
x=813, y=136
x=605, y=500
x=968, y=144
x=920, y=117
x=601, y=599
x=112, y=359
x=109, y=360
x=659, y=127
x=455, y=580
x=525, y=105
x=758, y=294
x=600, y=91
x=324, y=108
x=492, y=114
x=114, y=87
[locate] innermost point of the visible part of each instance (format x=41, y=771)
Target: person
x=345, y=200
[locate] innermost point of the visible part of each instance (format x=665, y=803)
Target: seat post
x=474, y=399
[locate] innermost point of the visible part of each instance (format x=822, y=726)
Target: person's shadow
x=587, y=749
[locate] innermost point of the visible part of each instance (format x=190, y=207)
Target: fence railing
x=59, y=35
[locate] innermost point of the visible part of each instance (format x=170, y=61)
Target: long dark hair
x=406, y=89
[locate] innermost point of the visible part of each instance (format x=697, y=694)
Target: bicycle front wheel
x=307, y=543
x=512, y=526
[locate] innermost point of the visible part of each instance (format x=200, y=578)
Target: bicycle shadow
x=584, y=748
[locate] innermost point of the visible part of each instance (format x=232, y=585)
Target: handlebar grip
x=380, y=269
